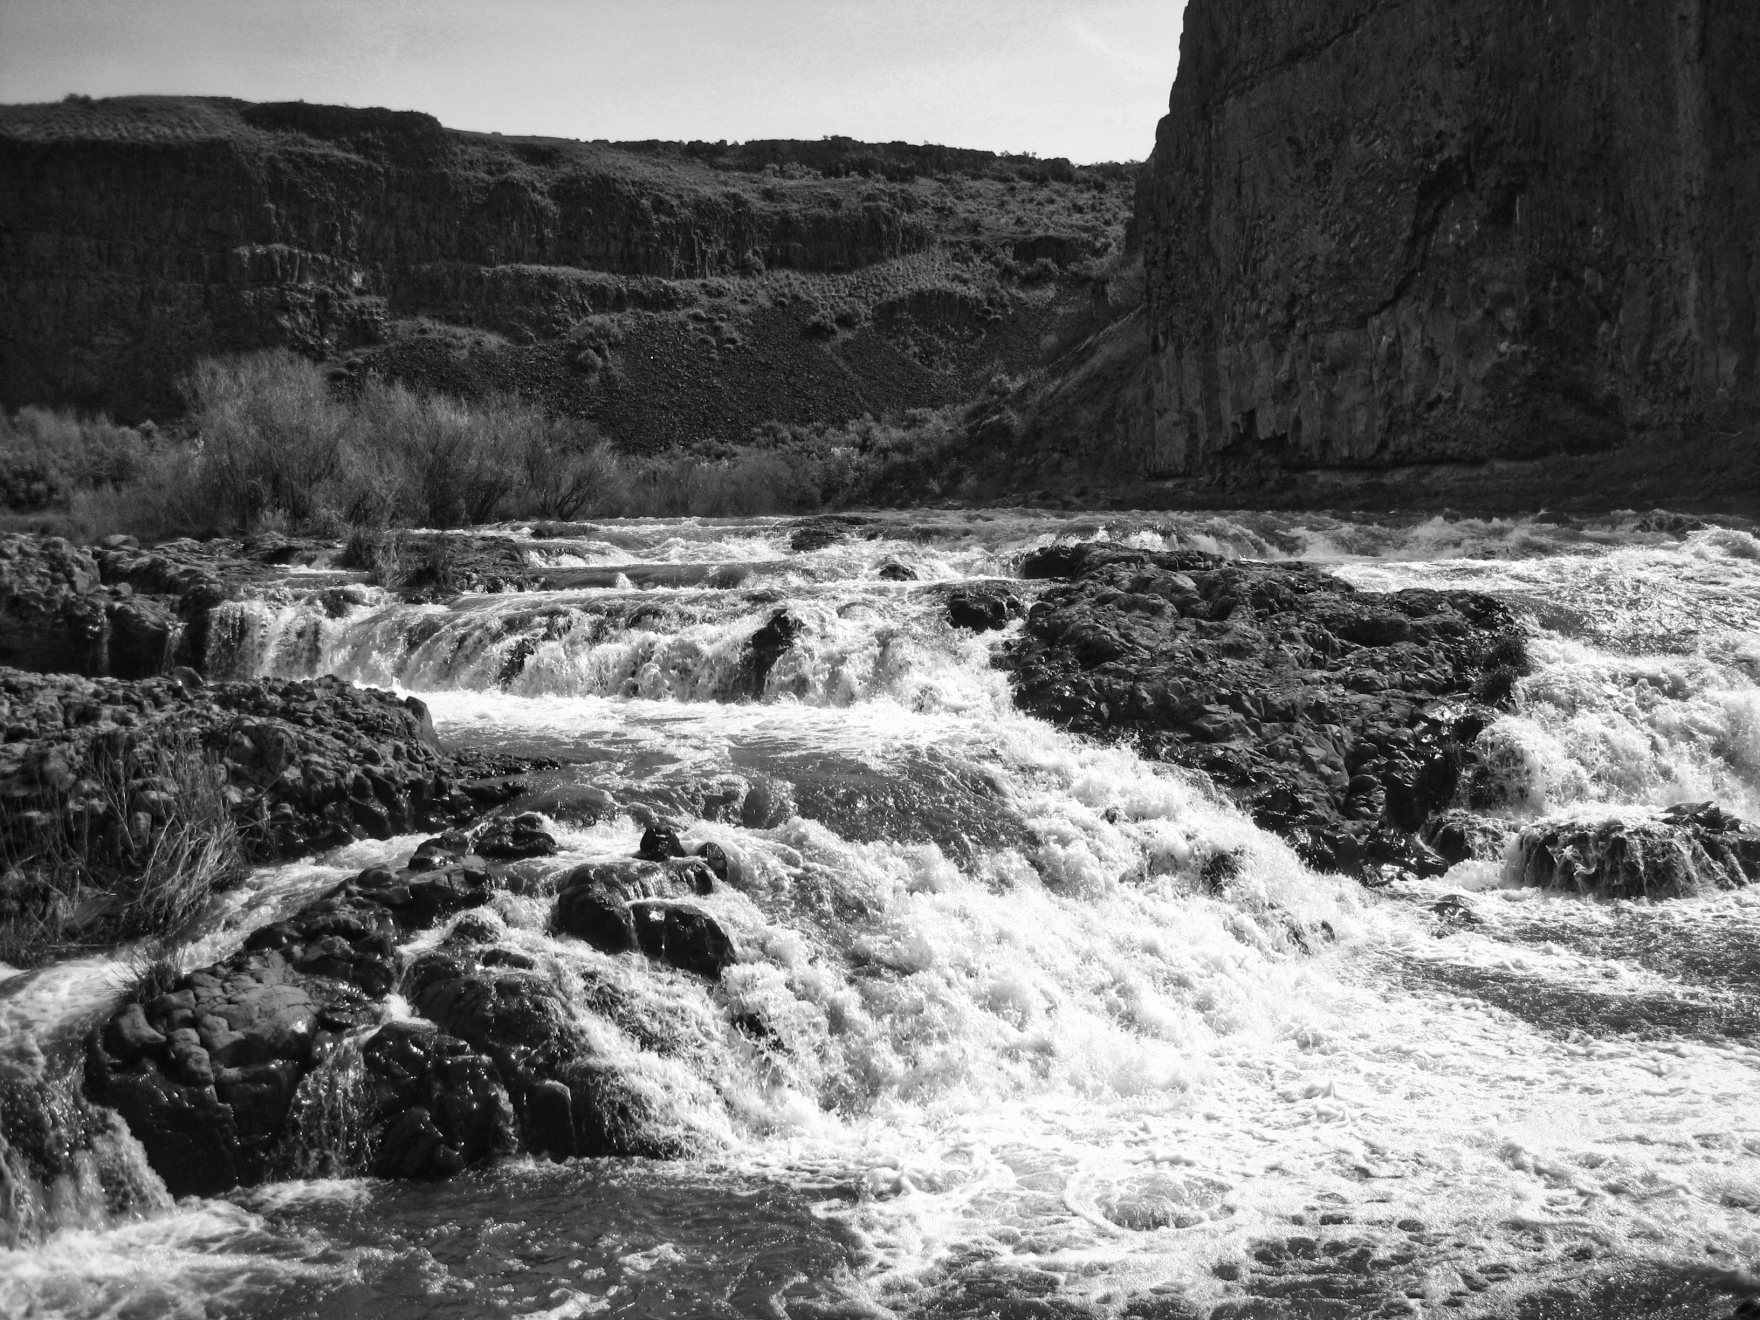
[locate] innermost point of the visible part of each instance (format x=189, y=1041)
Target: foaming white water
x=1646, y=688
x=984, y=985
x=201, y=1259
x=1069, y=1052
x=853, y=644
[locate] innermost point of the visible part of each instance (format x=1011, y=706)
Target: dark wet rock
x=205, y=1073
x=715, y=858
x=625, y=906
x=433, y=854
x=1459, y=836
x=592, y=901
x=438, y=1106
x=768, y=645
x=659, y=842
x=894, y=571
x=817, y=533
x=516, y=837
x=682, y=935
x=1341, y=719
x=210, y=1104
x=114, y=610
x=307, y=764
x=1693, y=848
x=767, y=803
x=481, y=763
x=569, y=1101
x=984, y=606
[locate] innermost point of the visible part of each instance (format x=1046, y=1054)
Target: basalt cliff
x=1394, y=232
x=1410, y=251
x=672, y=292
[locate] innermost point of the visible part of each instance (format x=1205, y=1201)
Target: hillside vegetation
x=681, y=295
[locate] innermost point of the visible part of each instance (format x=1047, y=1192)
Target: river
x=1010, y=1056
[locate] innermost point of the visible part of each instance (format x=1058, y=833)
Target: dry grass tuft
x=149, y=838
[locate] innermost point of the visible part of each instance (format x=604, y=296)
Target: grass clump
x=145, y=837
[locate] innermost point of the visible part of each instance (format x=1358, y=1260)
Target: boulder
x=1342, y=719
x=1692, y=848
x=682, y=935
x=766, y=646
x=515, y=838
x=983, y=607
x=437, y=1105
x=569, y=1101
x=205, y=1074
x=623, y=906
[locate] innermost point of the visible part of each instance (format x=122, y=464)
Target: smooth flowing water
x=991, y=1047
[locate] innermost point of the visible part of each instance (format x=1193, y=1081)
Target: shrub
x=274, y=447
x=272, y=433
x=566, y=469
x=45, y=457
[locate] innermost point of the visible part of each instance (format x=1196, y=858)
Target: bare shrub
x=567, y=468
x=272, y=433
x=457, y=463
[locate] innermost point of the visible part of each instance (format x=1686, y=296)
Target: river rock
x=205, y=1074
x=682, y=935
x=766, y=646
x=1692, y=848
x=115, y=609
x=437, y=1106
x=569, y=1101
x=1341, y=719
x=984, y=606
x=515, y=838
x=624, y=906
x=306, y=763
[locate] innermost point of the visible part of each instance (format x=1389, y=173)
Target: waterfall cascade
x=1013, y=1018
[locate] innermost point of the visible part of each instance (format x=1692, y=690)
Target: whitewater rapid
x=1015, y=1046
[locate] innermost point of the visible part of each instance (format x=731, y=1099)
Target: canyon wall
x=141, y=233
x=1394, y=232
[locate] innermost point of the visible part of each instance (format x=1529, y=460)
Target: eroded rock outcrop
x=1341, y=719
x=1389, y=232
x=206, y=1072
x=1692, y=848
x=307, y=763
x=631, y=283
x=288, y=1056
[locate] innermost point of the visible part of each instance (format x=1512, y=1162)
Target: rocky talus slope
x=674, y=293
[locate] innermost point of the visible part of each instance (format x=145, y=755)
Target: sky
x=1086, y=79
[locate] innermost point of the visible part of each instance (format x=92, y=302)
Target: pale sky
x=1085, y=79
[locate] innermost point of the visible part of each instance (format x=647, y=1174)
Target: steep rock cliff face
x=140, y=234
x=1387, y=232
